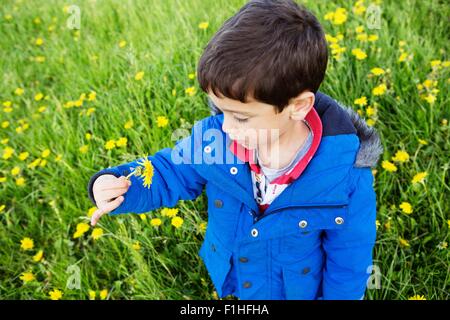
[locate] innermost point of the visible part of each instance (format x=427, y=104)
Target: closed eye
x=241, y=120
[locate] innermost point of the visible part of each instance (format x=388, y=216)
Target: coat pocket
x=302, y=279
x=217, y=259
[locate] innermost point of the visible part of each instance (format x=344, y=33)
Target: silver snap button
x=233, y=170
x=207, y=149
x=303, y=224
x=254, y=232
x=339, y=220
x=259, y=200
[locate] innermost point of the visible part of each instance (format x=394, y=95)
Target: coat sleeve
x=174, y=179
x=348, y=251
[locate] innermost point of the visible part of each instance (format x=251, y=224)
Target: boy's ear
x=301, y=105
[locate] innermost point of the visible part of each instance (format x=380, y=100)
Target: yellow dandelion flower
x=203, y=226
x=7, y=153
x=19, y=91
x=448, y=223
x=27, y=277
x=403, y=242
x=402, y=57
x=388, y=166
x=377, y=71
x=379, y=90
x=5, y=124
x=169, y=212
x=39, y=41
x=103, y=294
x=177, y=222
x=190, y=91
x=359, y=54
x=88, y=136
x=45, y=153
x=377, y=224
x=372, y=37
x=92, y=294
x=122, y=43
x=82, y=228
x=162, y=121
x=401, y=156
x=430, y=98
x=23, y=156
x=110, y=144
x=15, y=171
x=26, y=243
x=419, y=177
x=155, y=222
x=361, y=101
x=139, y=76
x=38, y=256
x=38, y=96
x=92, y=96
x=2, y=208
x=203, y=25
x=55, y=294
x=121, y=142
x=147, y=172
x=417, y=297
x=191, y=76
x=370, y=111
x=84, y=149
x=143, y=216
x=422, y=141
x=406, y=207
x=136, y=245
x=91, y=211
x=97, y=233
x=128, y=124
x=20, y=181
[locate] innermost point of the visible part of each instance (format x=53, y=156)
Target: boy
x=287, y=170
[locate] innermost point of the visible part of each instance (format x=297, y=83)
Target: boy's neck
x=289, y=144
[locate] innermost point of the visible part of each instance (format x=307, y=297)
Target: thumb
x=106, y=208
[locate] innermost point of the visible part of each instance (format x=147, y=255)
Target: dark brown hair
x=270, y=51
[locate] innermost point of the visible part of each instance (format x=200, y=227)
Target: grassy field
x=76, y=101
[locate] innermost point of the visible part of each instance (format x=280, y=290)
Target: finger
x=118, y=184
x=111, y=194
x=96, y=216
x=106, y=208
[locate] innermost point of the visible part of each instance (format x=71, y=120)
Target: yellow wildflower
x=377, y=71
x=136, y=245
x=92, y=294
x=162, y=121
x=39, y=41
x=359, y=54
x=155, y=222
x=27, y=277
x=169, y=212
x=128, y=124
x=19, y=91
x=97, y=233
x=203, y=25
x=419, y=177
x=122, y=43
x=177, y=222
x=26, y=243
x=139, y=76
x=388, y=166
x=417, y=297
x=147, y=172
x=110, y=144
x=38, y=256
x=361, y=101
x=15, y=171
x=121, y=142
x=406, y=207
x=401, y=156
x=103, y=294
x=379, y=90
x=55, y=294
x=82, y=228
x=403, y=242
x=84, y=149
x=38, y=96
x=190, y=91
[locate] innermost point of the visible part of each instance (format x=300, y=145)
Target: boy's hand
x=108, y=191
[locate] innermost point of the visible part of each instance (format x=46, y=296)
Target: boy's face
x=256, y=124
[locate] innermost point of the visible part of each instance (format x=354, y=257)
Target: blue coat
x=314, y=241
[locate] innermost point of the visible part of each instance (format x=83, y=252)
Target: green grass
x=164, y=40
